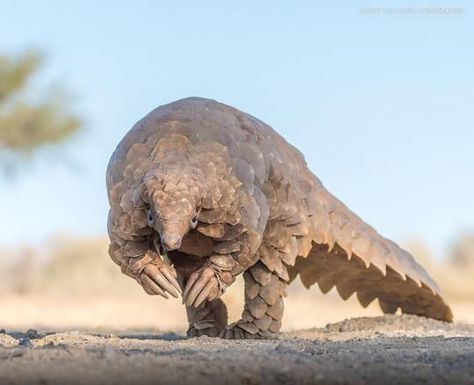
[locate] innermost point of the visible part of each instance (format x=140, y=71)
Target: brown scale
x=261, y=318
x=200, y=192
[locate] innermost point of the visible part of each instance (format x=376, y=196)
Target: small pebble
x=33, y=334
x=26, y=342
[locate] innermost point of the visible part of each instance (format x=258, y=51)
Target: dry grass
x=72, y=284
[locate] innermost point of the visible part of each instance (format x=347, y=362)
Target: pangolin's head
x=172, y=204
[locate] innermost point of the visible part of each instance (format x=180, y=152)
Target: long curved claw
x=205, y=292
x=152, y=286
x=159, y=278
x=162, y=275
x=193, y=278
x=198, y=286
x=147, y=288
x=172, y=279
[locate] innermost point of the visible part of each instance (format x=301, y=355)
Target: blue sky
x=381, y=105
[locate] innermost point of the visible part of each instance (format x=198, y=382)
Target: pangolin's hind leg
x=209, y=319
x=261, y=318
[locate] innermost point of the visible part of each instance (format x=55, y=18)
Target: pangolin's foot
x=246, y=330
x=204, y=328
x=209, y=319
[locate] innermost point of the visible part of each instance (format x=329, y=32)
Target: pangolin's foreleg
x=261, y=318
x=209, y=319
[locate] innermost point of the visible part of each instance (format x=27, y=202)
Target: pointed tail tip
x=448, y=315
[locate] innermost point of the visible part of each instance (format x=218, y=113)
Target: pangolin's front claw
x=160, y=278
x=202, y=285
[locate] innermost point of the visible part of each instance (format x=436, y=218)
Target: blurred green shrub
x=25, y=123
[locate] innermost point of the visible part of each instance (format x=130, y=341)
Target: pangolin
x=201, y=192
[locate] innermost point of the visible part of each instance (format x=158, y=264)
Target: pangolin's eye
x=194, y=222
x=149, y=215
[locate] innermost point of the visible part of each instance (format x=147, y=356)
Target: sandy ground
x=134, y=310
x=388, y=350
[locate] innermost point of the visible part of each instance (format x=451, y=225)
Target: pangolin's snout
x=171, y=241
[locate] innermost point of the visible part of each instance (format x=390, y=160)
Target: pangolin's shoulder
x=251, y=142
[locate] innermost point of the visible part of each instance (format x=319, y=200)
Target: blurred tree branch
x=26, y=125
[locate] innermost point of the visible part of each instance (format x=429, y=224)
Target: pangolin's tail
x=350, y=255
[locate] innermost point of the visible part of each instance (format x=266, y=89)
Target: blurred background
x=379, y=99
